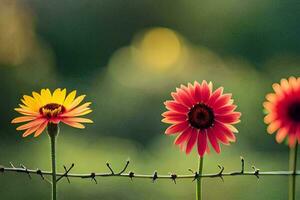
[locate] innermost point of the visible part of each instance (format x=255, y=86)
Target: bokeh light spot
x=160, y=48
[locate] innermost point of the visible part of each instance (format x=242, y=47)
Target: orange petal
x=23, y=119
x=281, y=134
x=32, y=124
x=269, y=118
x=273, y=127
x=74, y=124
x=77, y=112
x=277, y=88
x=30, y=131
x=78, y=119
x=41, y=129
x=271, y=97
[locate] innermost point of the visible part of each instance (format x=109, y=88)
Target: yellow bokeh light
x=160, y=48
x=17, y=35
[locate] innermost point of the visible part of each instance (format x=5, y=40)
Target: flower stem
x=293, y=168
x=53, y=130
x=199, y=181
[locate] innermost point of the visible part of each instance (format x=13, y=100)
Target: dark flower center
x=52, y=110
x=294, y=111
x=201, y=116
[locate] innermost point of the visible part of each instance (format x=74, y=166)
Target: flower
x=199, y=114
x=283, y=111
x=41, y=109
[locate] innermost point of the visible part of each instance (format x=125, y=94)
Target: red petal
x=213, y=140
x=177, y=107
x=222, y=101
x=198, y=92
x=184, y=136
x=217, y=131
x=175, y=119
x=192, y=141
x=177, y=128
x=229, y=118
x=184, y=97
x=215, y=96
x=226, y=130
x=172, y=114
x=202, y=143
x=225, y=109
x=206, y=92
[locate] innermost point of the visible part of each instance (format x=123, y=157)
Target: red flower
x=283, y=108
x=197, y=113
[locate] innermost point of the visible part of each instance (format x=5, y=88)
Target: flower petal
x=177, y=128
x=26, y=112
x=222, y=101
x=46, y=96
x=206, y=91
x=213, y=140
x=174, y=106
x=281, y=134
x=229, y=118
x=40, y=129
x=273, y=126
x=32, y=124
x=184, y=136
x=215, y=96
x=23, y=119
x=78, y=119
x=74, y=124
x=175, y=119
x=202, y=142
x=69, y=99
x=30, y=131
x=58, y=96
x=184, y=97
x=217, y=131
x=76, y=102
x=192, y=141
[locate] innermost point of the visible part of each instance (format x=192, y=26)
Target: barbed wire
x=171, y=176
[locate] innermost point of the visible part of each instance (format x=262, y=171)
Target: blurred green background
x=127, y=56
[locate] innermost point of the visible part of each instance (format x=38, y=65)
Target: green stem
x=199, y=181
x=53, y=132
x=293, y=168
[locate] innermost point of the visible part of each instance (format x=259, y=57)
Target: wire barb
x=196, y=177
x=39, y=172
x=26, y=170
x=220, y=174
x=93, y=176
x=131, y=175
x=155, y=176
x=173, y=177
x=12, y=165
x=243, y=164
x=109, y=167
x=124, y=169
x=66, y=173
x=256, y=171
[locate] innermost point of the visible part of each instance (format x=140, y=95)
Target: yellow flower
x=43, y=108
